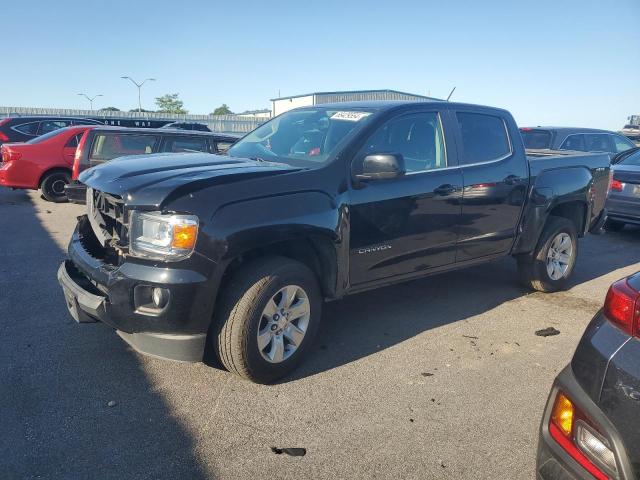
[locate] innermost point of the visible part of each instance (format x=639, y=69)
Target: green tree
x=109, y=109
x=170, y=103
x=143, y=110
x=222, y=110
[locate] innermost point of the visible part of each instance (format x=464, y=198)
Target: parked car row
x=49, y=162
x=23, y=129
x=576, y=139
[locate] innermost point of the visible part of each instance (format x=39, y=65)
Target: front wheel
x=552, y=262
x=267, y=319
x=53, y=184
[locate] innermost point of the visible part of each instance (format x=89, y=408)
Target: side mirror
x=381, y=166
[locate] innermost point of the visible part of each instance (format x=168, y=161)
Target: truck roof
x=381, y=105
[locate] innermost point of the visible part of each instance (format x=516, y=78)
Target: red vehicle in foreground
x=42, y=163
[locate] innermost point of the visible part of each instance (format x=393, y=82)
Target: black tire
x=52, y=186
x=533, y=269
x=613, y=225
x=239, y=315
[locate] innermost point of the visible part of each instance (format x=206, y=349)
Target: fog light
x=160, y=297
x=595, y=446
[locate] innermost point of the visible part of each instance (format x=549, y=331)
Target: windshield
x=301, y=138
x=536, y=138
x=46, y=136
x=632, y=159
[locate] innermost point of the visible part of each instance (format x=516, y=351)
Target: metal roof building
x=282, y=104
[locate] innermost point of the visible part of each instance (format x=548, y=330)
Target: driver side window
x=418, y=137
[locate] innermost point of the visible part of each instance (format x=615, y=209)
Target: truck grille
x=107, y=217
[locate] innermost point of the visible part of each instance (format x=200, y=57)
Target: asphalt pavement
x=437, y=378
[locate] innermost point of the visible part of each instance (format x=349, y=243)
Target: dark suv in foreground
x=22, y=129
x=591, y=425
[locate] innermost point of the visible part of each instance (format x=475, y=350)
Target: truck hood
x=149, y=181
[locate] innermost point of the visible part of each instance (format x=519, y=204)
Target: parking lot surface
x=437, y=378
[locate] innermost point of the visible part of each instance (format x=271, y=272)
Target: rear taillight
x=572, y=430
x=622, y=307
x=75, y=171
x=9, y=155
x=616, y=186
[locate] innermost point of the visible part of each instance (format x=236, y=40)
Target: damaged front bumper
x=118, y=295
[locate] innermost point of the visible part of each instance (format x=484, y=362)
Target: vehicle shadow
x=364, y=324
x=57, y=378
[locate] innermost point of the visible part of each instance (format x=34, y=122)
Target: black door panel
x=404, y=226
x=409, y=224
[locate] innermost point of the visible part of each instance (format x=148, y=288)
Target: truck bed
x=546, y=159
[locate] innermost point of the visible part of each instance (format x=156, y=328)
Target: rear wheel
x=268, y=317
x=53, y=184
x=613, y=225
x=551, y=265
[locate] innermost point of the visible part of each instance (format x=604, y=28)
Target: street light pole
x=139, y=85
x=91, y=99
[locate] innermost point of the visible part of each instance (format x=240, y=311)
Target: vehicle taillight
x=616, y=185
x=579, y=438
x=75, y=171
x=622, y=307
x=9, y=155
x=3, y=137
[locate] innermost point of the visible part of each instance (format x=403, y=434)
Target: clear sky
x=563, y=62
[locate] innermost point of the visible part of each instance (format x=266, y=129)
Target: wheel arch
x=51, y=170
x=574, y=210
x=317, y=252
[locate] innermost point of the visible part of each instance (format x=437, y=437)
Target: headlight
x=162, y=237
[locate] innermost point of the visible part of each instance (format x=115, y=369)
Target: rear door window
x=47, y=126
x=180, y=144
x=536, y=139
x=574, y=142
x=599, y=142
x=484, y=137
x=107, y=146
x=30, y=128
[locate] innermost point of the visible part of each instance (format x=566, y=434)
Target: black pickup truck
x=237, y=253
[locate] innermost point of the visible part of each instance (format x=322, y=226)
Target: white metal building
x=283, y=104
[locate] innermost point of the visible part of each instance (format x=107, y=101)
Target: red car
x=44, y=162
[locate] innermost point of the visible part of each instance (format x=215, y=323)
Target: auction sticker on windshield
x=350, y=116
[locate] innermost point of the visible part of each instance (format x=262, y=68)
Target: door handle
x=446, y=189
x=512, y=180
